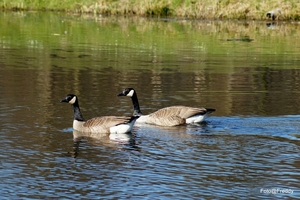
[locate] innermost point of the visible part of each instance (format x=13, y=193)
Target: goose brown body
x=100, y=124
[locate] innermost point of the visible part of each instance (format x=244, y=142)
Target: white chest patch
x=78, y=125
x=143, y=119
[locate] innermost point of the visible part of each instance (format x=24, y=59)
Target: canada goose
x=169, y=116
x=273, y=14
x=105, y=124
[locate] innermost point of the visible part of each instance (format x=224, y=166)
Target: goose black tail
x=210, y=110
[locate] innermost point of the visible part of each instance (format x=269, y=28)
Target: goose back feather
x=162, y=121
x=181, y=111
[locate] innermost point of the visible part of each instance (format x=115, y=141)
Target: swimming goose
x=105, y=124
x=169, y=116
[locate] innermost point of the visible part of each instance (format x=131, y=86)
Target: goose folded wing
x=186, y=112
x=107, y=121
x=167, y=121
x=180, y=111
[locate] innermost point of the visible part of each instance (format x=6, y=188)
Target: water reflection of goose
x=98, y=125
x=120, y=137
x=78, y=135
x=114, y=137
x=169, y=116
x=123, y=141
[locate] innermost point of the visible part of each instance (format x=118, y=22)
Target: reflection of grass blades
x=205, y=9
x=160, y=39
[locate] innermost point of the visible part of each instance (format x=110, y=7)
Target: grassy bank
x=200, y=9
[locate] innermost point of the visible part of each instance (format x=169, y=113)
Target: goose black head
x=127, y=92
x=70, y=98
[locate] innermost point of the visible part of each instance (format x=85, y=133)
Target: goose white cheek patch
x=130, y=94
x=72, y=100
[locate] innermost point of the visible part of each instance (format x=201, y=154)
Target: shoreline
x=270, y=10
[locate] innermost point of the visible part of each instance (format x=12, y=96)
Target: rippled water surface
x=247, y=71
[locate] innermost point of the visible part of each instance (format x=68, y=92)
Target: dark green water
x=248, y=71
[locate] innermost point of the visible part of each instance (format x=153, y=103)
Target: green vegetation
x=200, y=9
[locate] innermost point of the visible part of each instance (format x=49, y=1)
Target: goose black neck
x=136, y=105
x=77, y=112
